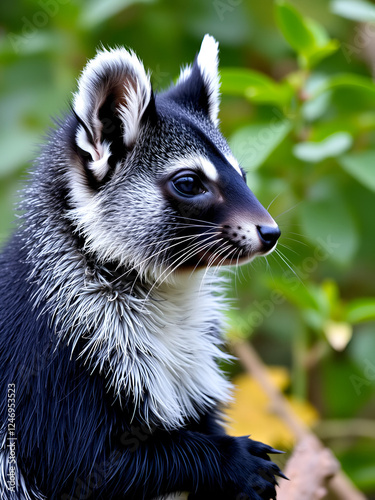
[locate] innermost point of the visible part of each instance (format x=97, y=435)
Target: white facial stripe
x=208, y=169
x=196, y=163
x=232, y=160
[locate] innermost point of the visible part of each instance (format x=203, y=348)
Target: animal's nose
x=268, y=236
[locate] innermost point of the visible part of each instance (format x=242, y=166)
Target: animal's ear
x=113, y=94
x=198, y=86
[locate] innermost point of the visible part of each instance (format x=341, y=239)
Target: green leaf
x=293, y=288
x=363, y=342
x=316, y=107
x=361, y=310
x=323, y=45
x=308, y=38
x=361, y=165
x=254, y=86
x=294, y=27
x=350, y=80
x=95, y=12
x=236, y=81
x=321, y=53
x=330, y=226
x=332, y=146
x=253, y=144
x=340, y=395
x=356, y=10
x=320, y=35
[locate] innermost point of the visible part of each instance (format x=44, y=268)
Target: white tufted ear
x=114, y=91
x=207, y=61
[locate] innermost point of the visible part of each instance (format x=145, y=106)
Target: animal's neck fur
x=158, y=350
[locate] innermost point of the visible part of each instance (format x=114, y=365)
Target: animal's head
x=153, y=183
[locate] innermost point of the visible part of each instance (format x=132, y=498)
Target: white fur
x=131, y=114
x=232, y=160
x=209, y=169
x=162, y=346
x=100, y=238
x=85, y=144
x=100, y=155
x=197, y=163
x=184, y=73
x=208, y=62
x=161, y=343
x=129, y=77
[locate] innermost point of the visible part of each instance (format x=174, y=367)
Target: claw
x=275, y=451
x=269, y=449
x=281, y=474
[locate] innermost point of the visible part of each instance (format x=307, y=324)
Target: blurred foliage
x=252, y=410
x=298, y=108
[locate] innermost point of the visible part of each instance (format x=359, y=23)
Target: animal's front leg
x=263, y=469
x=249, y=473
x=207, y=466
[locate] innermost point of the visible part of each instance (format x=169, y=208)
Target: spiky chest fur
x=164, y=350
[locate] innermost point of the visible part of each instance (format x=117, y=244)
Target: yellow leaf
x=251, y=411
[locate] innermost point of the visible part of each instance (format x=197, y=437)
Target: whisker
x=288, y=248
x=269, y=268
x=187, y=238
x=186, y=255
x=206, y=223
x=226, y=256
x=290, y=224
x=288, y=210
x=174, y=238
x=177, y=224
x=285, y=260
x=295, y=234
x=297, y=241
x=236, y=275
x=172, y=268
x=211, y=260
x=273, y=201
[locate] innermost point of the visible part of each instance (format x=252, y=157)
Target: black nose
x=268, y=236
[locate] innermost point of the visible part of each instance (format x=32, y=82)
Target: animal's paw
x=247, y=472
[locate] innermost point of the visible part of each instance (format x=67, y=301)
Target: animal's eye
x=188, y=185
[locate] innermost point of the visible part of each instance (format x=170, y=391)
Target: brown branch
x=311, y=465
x=309, y=469
x=356, y=427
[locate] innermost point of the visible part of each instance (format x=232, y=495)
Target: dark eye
x=188, y=185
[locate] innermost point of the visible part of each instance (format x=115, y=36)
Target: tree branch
x=311, y=465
